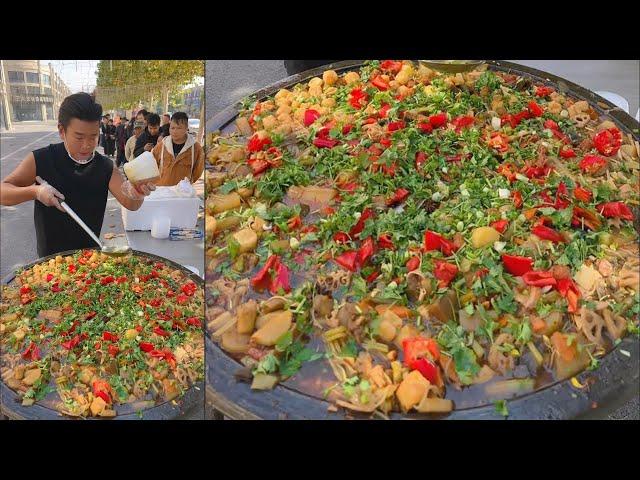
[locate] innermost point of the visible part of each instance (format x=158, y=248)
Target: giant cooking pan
x=191, y=404
x=613, y=383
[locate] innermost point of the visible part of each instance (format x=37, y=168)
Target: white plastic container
x=163, y=201
x=160, y=227
x=142, y=168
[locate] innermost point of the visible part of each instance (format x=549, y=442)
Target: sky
x=78, y=75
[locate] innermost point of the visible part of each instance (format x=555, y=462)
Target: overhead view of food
x=95, y=335
x=394, y=239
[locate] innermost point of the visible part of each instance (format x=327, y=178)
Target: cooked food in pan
x=396, y=239
x=95, y=335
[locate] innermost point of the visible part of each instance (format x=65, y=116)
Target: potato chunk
x=277, y=326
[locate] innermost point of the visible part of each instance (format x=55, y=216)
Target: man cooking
x=71, y=171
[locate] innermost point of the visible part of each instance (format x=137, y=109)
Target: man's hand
x=48, y=195
x=138, y=191
x=148, y=147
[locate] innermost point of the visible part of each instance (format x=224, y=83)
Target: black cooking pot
x=612, y=384
x=191, y=404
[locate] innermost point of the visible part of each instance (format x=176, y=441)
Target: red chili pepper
x=32, y=352
x=415, y=348
x=615, y=210
x=25, y=289
x=399, y=196
x=391, y=66
x=608, y=142
x=544, y=91
x=592, y=164
x=346, y=129
x=121, y=279
x=258, y=166
x=358, y=98
x=281, y=280
x=359, y=226
x=325, y=142
x=380, y=83
x=365, y=252
x=69, y=345
x=550, y=124
x=194, y=321
x=160, y=331
x=261, y=279
x=412, y=264
x=106, y=280
x=428, y=369
x=547, y=233
x=170, y=293
x=462, y=122
x=294, y=223
x=372, y=276
x=425, y=127
x=384, y=109
x=433, y=241
x=517, y=199
x=421, y=159
x=182, y=299
x=560, y=203
x=517, y=266
x=109, y=336
x=500, y=225
x=499, y=141
x=113, y=350
x=393, y=126
x=506, y=170
x=567, y=152
x=385, y=242
x=445, y=272
x=310, y=116
x=71, y=268
x=582, y=194
x=535, y=109
x=539, y=278
x=56, y=287
x=438, y=120
x=340, y=237
x=49, y=277
x=82, y=261
x=481, y=272
x=348, y=260
x=369, y=121
x=569, y=290
x=145, y=346
x=256, y=145
x=189, y=288
x=154, y=274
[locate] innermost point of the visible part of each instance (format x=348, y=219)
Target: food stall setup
x=114, y=332
x=414, y=240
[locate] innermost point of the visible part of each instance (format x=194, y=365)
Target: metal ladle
x=114, y=251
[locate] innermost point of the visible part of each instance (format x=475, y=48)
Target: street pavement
x=227, y=81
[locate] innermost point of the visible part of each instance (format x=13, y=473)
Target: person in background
x=111, y=139
x=74, y=172
x=179, y=155
x=149, y=137
x=164, y=127
x=121, y=140
x=103, y=133
x=131, y=142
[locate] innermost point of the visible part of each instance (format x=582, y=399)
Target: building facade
x=31, y=91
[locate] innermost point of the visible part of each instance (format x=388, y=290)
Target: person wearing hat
x=138, y=127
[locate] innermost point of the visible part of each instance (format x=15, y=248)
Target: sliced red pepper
x=346, y=129
x=582, y=194
x=111, y=337
x=413, y=264
x=359, y=226
x=261, y=280
x=506, y=170
x=445, y=272
x=280, y=280
x=425, y=127
x=500, y=225
x=547, y=233
x=386, y=142
x=32, y=352
x=393, y=66
x=569, y=290
x=433, y=241
x=393, y=126
x=71, y=268
x=71, y=344
x=588, y=218
x=535, y=109
x=194, y=321
x=325, y=142
x=145, y=346
x=421, y=159
x=340, y=237
x=516, y=265
x=592, y=164
x=415, y=348
x=438, y=120
x=382, y=113
x=113, y=350
x=499, y=141
x=365, y=252
x=310, y=116
x=256, y=145
x=539, y=278
x=462, y=122
x=608, y=142
x=428, y=369
x=567, y=152
x=517, y=199
x=107, y=280
x=160, y=331
x=25, y=289
x=385, y=242
x=101, y=389
x=294, y=222
x=380, y=83
x=182, y=299
x=544, y=91
x=358, y=98
x=56, y=287
x=399, y=196
x=347, y=260
x=615, y=210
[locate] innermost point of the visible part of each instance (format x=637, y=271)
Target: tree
x=124, y=83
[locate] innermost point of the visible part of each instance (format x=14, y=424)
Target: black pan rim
x=557, y=400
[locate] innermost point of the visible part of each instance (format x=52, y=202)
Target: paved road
x=227, y=81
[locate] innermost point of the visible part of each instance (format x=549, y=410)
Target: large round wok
x=192, y=400
x=613, y=383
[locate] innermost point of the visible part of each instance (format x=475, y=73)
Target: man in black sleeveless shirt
x=73, y=172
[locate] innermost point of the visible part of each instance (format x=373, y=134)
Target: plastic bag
x=185, y=189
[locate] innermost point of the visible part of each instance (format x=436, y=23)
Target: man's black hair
x=180, y=117
x=153, y=119
x=81, y=106
x=166, y=115
x=143, y=112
